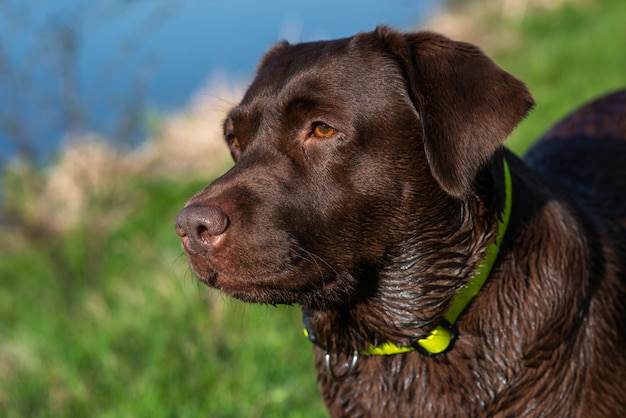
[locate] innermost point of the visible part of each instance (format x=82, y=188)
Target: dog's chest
x=407, y=385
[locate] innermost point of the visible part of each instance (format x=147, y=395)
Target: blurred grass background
x=99, y=313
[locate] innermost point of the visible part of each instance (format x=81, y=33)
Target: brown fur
x=374, y=229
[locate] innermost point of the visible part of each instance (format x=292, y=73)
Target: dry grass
x=190, y=143
x=187, y=144
x=474, y=21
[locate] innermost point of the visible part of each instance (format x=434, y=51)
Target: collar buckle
x=440, y=340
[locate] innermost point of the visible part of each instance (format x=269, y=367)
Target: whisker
x=316, y=260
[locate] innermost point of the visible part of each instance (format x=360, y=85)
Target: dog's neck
x=440, y=338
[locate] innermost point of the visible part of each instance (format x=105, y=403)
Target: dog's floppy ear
x=467, y=103
x=272, y=53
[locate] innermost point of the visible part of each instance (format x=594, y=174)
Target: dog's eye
x=234, y=145
x=232, y=140
x=322, y=130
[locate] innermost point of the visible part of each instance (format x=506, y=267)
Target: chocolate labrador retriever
x=439, y=274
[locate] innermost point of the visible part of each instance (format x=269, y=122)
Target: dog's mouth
x=294, y=280
x=259, y=290
x=274, y=289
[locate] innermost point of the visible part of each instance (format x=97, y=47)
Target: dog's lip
x=217, y=271
x=275, y=281
x=253, y=291
x=231, y=282
x=215, y=244
x=184, y=240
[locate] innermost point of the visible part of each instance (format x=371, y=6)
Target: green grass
x=567, y=57
x=143, y=339
x=109, y=322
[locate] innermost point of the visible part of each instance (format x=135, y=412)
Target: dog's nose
x=201, y=227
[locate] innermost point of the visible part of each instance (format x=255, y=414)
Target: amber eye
x=232, y=140
x=322, y=130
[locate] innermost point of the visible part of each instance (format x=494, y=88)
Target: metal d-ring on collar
x=310, y=334
x=348, y=366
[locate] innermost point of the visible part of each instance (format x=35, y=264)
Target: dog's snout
x=201, y=227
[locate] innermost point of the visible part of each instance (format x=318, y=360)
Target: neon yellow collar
x=441, y=338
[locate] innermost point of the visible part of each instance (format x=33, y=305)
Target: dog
x=439, y=274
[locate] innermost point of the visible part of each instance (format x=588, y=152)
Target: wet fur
x=375, y=229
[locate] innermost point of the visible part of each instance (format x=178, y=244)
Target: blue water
x=149, y=54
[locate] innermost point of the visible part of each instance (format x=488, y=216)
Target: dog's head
x=346, y=152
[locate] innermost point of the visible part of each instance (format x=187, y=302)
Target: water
x=99, y=66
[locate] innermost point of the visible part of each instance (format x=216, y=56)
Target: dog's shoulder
x=586, y=151
x=602, y=118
